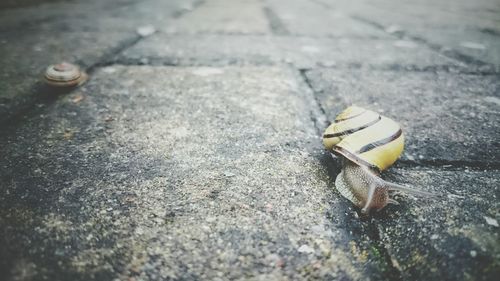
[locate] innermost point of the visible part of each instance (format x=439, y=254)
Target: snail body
x=368, y=144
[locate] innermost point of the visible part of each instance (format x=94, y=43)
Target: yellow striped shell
x=365, y=137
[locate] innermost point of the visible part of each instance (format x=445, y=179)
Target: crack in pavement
x=275, y=24
x=451, y=165
x=108, y=57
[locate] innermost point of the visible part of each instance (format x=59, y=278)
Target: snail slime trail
x=367, y=143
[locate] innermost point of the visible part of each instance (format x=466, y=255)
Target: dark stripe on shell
x=353, y=157
x=348, y=132
x=381, y=142
x=350, y=117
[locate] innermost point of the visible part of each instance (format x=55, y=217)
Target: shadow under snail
x=368, y=143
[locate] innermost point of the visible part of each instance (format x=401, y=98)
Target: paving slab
x=454, y=237
x=207, y=173
x=453, y=27
x=26, y=56
x=203, y=49
x=223, y=16
x=82, y=32
x=470, y=41
x=444, y=13
x=446, y=117
x=302, y=52
x=322, y=22
x=217, y=172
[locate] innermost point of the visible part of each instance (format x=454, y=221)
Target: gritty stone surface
x=208, y=173
x=204, y=50
x=446, y=117
x=477, y=44
x=30, y=54
x=92, y=15
x=81, y=32
x=302, y=52
x=360, y=53
x=212, y=168
x=324, y=23
x=223, y=16
x=445, y=238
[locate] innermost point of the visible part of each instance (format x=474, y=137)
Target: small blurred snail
x=368, y=143
x=64, y=75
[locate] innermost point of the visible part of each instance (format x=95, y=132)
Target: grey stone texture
x=301, y=52
x=222, y=16
x=445, y=117
x=322, y=22
x=194, y=152
x=206, y=173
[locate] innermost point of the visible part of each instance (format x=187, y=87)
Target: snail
x=64, y=75
x=368, y=144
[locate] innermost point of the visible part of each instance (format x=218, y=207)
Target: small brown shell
x=64, y=75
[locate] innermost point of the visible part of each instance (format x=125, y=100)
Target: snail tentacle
x=392, y=201
x=369, y=199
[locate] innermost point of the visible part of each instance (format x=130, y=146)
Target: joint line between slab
x=389, y=271
x=275, y=24
x=180, y=13
x=318, y=115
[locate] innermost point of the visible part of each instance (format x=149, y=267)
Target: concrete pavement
x=195, y=153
